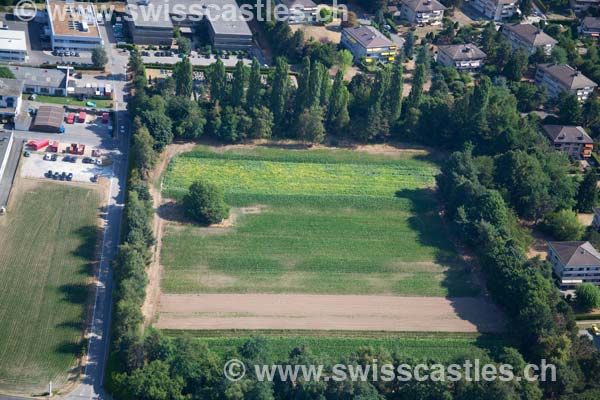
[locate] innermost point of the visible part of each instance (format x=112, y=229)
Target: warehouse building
x=46, y=81
x=13, y=46
x=48, y=119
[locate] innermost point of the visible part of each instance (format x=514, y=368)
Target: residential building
x=368, y=44
x=151, y=22
x=574, y=263
x=73, y=25
x=422, y=12
x=47, y=81
x=496, y=10
x=590, y=26
x=572, y=140
x=581, y=6
x=461, y=56
x=13, y=46
x=529, y=38
x=299, y=11
x=10, y=96
x=559, y=78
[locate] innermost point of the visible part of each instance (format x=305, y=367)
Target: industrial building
x=48, y=119
x=10, y=96
x=46, y=81
x=73, y=25
x=13, y=46
x=151, y=22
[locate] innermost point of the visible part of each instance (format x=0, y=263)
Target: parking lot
x=39, y=49
x=35, y=166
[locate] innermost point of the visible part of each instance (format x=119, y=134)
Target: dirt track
x=327, y=312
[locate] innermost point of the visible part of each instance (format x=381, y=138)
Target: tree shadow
x=173, y=212
x=75, y=293
x=76, y=325
x=459, y=279
x=86, y=250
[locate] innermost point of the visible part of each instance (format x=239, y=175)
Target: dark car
x=67, y=159
x=49, y=174
x=69, y=176
x=53, y=157
x=94, y=178
x=55, y=175
x=87, y=160
x=73, y=159
x=63, y=176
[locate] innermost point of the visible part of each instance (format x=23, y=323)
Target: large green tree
x=184, y=79
x=205, y=203
x=587, y=195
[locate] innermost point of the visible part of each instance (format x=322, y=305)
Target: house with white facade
x=10, y=96
x=529, y=38
x=13, y=46
x=422, y=12
x=496, y=10
x=461, y=56
x=572, y=140
x=298, y=11
x=73, y=25
x=558, y=78
x=574, y=263
x=368, y=44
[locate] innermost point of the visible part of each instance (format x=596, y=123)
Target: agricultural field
x=316, y=222
x=439, y=347
x=46, y=263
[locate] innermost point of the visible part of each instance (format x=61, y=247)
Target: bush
x=563, y=225
x=587, y=296
x=205, y=203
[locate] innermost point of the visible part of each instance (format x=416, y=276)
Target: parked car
x=49, y=174
x=69, y=176
x=87, y=160
x=595, y=330
x=46, y=157
x=91, y=104
x=27, y=154
x=33, y=96
x=67, y=159
x=55, y=176
x=63, y=176
x=53, y=157
x=99, y=162
x=73, y=159
x=94, y=178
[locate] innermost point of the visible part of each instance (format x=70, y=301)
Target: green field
x=420, y=346
x=336, y=222
x=48, y=241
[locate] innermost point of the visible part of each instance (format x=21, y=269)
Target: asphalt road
x=90, y=386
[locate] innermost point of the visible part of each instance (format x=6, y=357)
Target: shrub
x=205, y=203
x=563, y=225
x=587, y=296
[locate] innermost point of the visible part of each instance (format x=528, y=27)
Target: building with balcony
x=461, y=56
x=298, y=11
x=574, y=263
x=10, y=96
x=496, y=10
x=422, y=12
x=572, y=140
x=368, y=44
x=558, y=78
x=590, y=26
x=529, y=38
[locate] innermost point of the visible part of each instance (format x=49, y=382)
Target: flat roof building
x=152, y=21
x=49, y=81
x=10, y=96
x=13, y=46
x=73, y=25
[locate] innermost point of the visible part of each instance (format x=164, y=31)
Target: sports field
x=48, y=240
x=313, y=221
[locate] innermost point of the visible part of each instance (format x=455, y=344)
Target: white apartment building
x=529, y=38
x=559, y=78
x=73, y=25
x=461, y=56
x=422, y=12
x=13, y=46
x=574, y=263
x=496, y=10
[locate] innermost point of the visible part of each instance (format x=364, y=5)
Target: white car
x=47, y=157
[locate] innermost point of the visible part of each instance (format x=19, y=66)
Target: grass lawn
x=69, y=101
x=420, y=346
x=48, y=240
x=328, y=222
